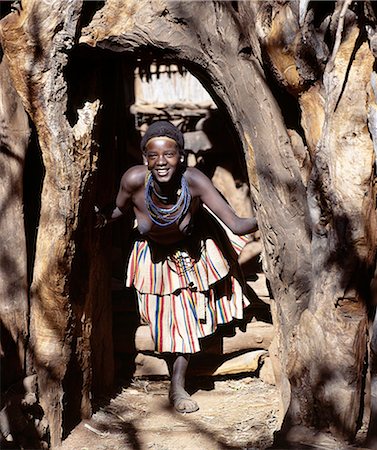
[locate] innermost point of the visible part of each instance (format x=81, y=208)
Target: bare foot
x=182, y=401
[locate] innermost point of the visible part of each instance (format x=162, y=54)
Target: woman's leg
x=178, y=396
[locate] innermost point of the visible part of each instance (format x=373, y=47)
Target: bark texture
x=14, y=137
x=36, y=41
x=295, y=80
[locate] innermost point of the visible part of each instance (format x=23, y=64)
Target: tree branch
x=338, y=36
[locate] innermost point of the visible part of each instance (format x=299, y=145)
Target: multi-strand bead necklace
x=167, y=216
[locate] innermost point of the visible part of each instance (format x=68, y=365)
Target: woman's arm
x=202, y=187
x=128, y=185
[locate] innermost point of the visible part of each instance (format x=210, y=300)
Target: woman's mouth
x=162, y=172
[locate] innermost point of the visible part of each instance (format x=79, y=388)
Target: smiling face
x=163, y=158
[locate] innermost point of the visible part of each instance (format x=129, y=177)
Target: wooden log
x=224, y=181
x=147, y=365
x=245, y=363
x=249, y=362
x=266, y=373
x=258, y=335
x=259, y=286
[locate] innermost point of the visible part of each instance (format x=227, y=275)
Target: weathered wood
x=372, y=428
x=249, y=362
x=334, y=118
x=36, y=54
x=240, y=200
x=245, y=363
x=14, y=139
x=147, y=365
x=343, y=219
x=266, y=373
x=258, y=335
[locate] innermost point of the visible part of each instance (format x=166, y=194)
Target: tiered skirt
x=187, y=290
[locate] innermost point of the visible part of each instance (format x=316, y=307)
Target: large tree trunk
x=35, y=42
x=315, y=203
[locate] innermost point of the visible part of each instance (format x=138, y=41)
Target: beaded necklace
x=163, y=198
x=167, y=216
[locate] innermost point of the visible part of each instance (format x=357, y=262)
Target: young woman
x=182, y=266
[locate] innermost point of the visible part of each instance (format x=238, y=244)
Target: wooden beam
x=258, y=335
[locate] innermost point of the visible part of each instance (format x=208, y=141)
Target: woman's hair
x=163, y=128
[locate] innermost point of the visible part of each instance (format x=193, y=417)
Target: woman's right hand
x=100, y=219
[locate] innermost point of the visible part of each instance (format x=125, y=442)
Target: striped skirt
x=185, y=291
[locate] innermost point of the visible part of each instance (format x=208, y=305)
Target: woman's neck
x=168, y=192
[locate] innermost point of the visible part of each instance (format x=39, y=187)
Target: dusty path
x=234, y=414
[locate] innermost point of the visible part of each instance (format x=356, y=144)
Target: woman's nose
x=161, y=160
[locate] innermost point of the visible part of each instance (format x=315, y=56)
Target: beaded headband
x=165, y=138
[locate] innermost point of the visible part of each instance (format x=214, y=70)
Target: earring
x=182, y=158
x=145, y=163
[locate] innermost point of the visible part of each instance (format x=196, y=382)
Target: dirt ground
x=234, y=414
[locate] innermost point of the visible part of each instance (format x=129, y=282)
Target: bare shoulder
x=199, y=184
x=195, y=177
x=134, y=178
